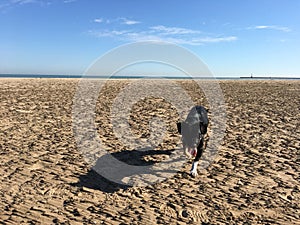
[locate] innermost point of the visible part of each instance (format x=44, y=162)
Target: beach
x=253, y=179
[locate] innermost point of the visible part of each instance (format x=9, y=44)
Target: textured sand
x=45, y=180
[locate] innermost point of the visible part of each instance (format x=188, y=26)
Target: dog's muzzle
x=190, y=152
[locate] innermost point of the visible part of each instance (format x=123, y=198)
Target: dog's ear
x=179, y=127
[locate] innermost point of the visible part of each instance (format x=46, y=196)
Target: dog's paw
x=194, y=169
x=194, y=173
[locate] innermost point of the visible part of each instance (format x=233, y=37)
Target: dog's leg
x=194, y=172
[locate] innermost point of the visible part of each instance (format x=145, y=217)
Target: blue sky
x=233, y=37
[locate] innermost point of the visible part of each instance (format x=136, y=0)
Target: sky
x=232, y=37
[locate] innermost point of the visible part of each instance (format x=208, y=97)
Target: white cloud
x=129, y=22
x=176, y=35
x=98, y=20
x=270, y=27
x=173, y=30
x=108, y=33
x=217, y=39
x=22, y=2
x=69, y=1
x=9, y=4
x=120, y=20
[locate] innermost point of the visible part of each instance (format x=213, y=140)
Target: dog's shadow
x=94, y=180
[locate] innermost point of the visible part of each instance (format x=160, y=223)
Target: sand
x=254, y=179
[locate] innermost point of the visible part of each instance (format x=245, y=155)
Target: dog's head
x=191, y=137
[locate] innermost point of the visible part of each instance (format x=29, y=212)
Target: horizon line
x=12, y=75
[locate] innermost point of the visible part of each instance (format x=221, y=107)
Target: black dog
x=193, y=130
